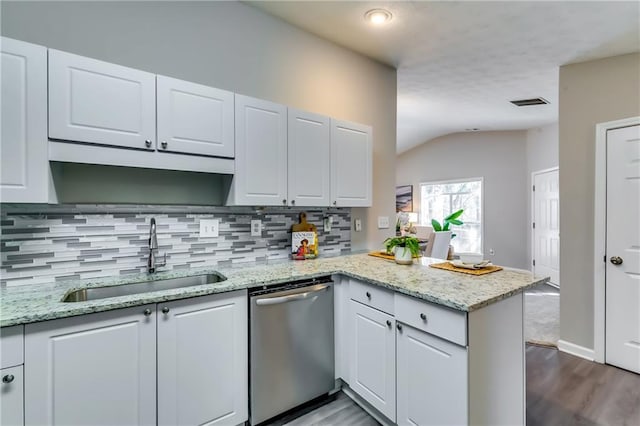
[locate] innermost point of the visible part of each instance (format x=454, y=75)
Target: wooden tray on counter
x=449, y=267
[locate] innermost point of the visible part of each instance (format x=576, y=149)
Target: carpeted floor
x=542, y=315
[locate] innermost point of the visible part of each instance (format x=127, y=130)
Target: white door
x=373, y=357
x=202, y=360
x=98, y=102
x=309, y=152
x=261, y=153
x=351, y=164
x=546, y=225
x=623, y=249
x=11, y=396
x=194, y=119
x=24, y=160
x=432, y=380
x=97, y=369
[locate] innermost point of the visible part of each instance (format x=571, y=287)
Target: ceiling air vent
x=528, y=102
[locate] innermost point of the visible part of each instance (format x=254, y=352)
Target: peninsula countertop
x=41, y=302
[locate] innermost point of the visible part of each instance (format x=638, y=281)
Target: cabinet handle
x=389, y=323
x=8, y=378
x=148, y=143
x=368, y=295
x=147, y=312
x=164, y=144
x=423, y=317
x=165, y=310
x=293, y=202
x=399, y=327
x=284, y=201
x=335, y=203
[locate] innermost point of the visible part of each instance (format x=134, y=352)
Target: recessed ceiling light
x=378, y=16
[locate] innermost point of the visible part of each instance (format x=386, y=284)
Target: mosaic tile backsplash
x=40, y=244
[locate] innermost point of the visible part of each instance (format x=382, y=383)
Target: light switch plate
x=209, y=228
x=357, y=225
x=256, y=228
x=383, y=222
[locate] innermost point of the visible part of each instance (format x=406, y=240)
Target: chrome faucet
x=153, y=248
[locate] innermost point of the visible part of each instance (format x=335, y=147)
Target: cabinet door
x=98, y=102
x=194, y=119
x=351, y=162
x=432, y=380
x=11, y=396
x=23, y=147
x=309, y=152
x=202, y=360
x=261, y=153
x=97, y=369
x=373, y=357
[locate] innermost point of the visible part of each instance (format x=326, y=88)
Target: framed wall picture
x=404, y=198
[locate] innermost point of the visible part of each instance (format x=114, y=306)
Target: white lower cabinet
x=373, y=357
x=202, y=361
x=431, y=379
x=11, y=396
x=101, y=369
x=92, y=369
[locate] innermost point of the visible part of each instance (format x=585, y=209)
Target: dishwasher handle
x=290, y=297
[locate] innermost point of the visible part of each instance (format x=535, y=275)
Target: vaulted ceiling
x=460, y=63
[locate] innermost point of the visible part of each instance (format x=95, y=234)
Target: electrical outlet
x=256, y=228
x=328, y=220
x=209, y=228
x=357, y=225
x=383, y=222
x=492, y=252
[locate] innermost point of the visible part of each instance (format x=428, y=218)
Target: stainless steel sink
x=85, y=294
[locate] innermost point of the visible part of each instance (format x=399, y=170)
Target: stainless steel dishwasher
x=291, y=358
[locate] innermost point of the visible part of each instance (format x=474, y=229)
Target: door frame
x=533, y=216
x=600, y=232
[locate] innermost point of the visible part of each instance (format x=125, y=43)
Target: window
x=439, y=199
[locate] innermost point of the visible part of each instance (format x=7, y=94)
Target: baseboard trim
x=576, y=350
x=366, y=406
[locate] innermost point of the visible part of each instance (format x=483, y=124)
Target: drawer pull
x=368, y=295
x=147, y=312
x=8, y=378
x=389, y=323
x=165, y=310
x=399, y=327
x=423, y=317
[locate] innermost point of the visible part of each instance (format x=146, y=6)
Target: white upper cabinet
x=309, y=152
x=99, y=102
x=202, y=360
x=194, y=119
x=261, y=153
x=23, y=148
x=351, y=164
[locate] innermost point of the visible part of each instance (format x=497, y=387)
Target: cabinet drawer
x=11, y=346
x=370, y=295
x=437, y=320
x=11, y=396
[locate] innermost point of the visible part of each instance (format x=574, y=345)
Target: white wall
x=498, y=157
x=542, y=154
x=590, y=93
x=235, y=47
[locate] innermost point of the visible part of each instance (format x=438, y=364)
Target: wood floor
x=562, y=390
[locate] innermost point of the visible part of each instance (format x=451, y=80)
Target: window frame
x=458, y=180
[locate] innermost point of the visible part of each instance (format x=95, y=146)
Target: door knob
x=165, y=310
x=399, y=327
x=8, y=378
x=388, y=323
x=423, y=317
x=147, y=312
x=164, y=144
x=616, y=260
x=148, y=143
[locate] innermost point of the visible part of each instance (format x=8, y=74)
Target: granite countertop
x=40, y=302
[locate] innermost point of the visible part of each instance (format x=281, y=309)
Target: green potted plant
x=441, y=248
x=405, y=248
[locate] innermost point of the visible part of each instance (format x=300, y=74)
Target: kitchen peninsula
x=412, y=343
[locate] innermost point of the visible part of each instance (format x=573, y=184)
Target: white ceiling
x=460, y=63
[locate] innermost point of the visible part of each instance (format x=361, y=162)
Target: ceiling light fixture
x=378, y=16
